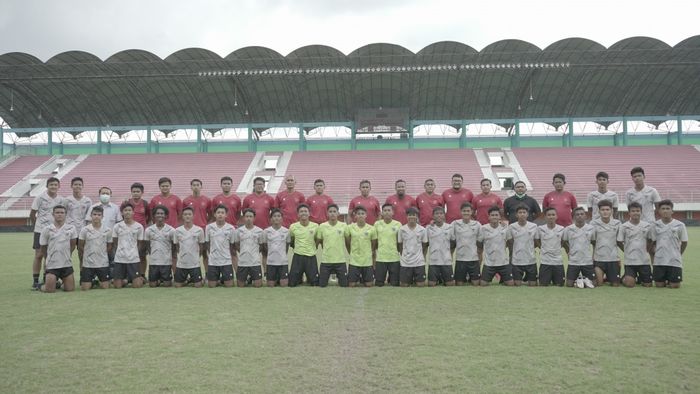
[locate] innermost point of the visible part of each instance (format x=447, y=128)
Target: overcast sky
x=45, y=27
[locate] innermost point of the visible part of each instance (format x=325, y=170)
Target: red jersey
x=564, y=203
x=261, y=204
x=288, y=202
x=370, y=203
x=453, y=202
x=174, y=205
x=201, y=206
x=482, y=202
x=318, y=204
x=142, y=214
x=426, y=203
x=400, y=206
x=232, y=202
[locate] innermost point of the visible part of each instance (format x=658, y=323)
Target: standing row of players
x=604, y=268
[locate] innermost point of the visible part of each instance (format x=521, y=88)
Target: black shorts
x=360, y=274
x=440, y=273
x=411, y=275
x=88, y=274
x=527, y=273
x=163, y=273
x=663, y=273
x=611, y=269
x=220, y=272
x=128, y=271
x=339, y=269
x=276, y=273
x=303, y=265
x=641, y=273
x=254, y=273
x=382, y=269
x=552, y=274
x=488, y=272
x=467, y=270
x=181, y=274
x=587, y=271
x=36, y=245
x=60, y=273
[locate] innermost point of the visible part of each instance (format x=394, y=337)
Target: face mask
x=519, y=195
x=104, y=198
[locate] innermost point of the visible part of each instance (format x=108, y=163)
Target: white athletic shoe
x=588, y=283
x=579, y=283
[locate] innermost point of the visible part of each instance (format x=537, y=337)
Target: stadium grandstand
x=509, y=112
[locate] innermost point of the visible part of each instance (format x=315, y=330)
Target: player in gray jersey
x=601, y=194
x=189, y=243
x=463, y=237
x=605, y=251
x=127, y=237
x=645, y=195
x=577, y=241
x=78, y=205
x=57, y=242
x=440, y=250
x=41, y=215
x=670, y=239
x=491, y=244
x=158, y=241
x=549, y=240
x=219, y=239
x=249, y=242
x=412, y=244
x=276, y=241
x=634, y=239
x=521, y=237
x=94, y=244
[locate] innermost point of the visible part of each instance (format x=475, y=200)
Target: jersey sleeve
x=44, y=237
x=655, y=197
x=319, y=232
x=545, y=202
x=399, y=237
x=589, y=200
x=82, y=234
x=200, y=236
x=206, y=234
x=574, y=203
x=480, y=235
x=373, y=233
x=621, y=234
x=509, y=233
x=109, y=237
x=377, y=208
x=684, y=233
x=139, y=234
x=115, y=231
x=424, y=238
x=616, y=201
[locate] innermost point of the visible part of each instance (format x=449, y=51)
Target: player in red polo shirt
x=142, y=215
x=229, y=200
x=288, y=201
x=401, y=202
x=200, y=203
x=485, y=200
x=319, y=202
x=370, y=203
x=427, y=201
x=455, y=197
x=563, y=201
x=168, y=200
x=260, y=202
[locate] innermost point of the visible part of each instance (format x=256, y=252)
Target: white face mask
x=104, y=198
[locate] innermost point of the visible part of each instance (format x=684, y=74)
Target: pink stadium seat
x=120, y=171
x=18, y=169
x=343, y=170
x=672, y=170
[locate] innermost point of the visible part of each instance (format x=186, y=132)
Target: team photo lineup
x=461, y=237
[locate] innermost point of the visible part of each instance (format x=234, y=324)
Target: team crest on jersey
x=339, y=232
x=367, y=233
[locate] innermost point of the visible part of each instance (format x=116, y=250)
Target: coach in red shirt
x=562, y=201
x=401, y=201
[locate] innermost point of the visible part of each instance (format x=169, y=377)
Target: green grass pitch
x=466, y=339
